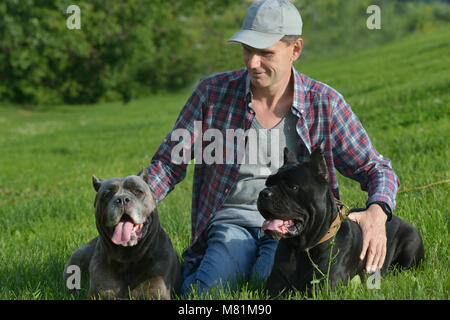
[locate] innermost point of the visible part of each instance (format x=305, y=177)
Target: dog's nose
x=122, y=200
x=266, y=193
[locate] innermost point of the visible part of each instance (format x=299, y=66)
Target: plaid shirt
x=325, y=120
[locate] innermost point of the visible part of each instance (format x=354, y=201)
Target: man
x=268, y=96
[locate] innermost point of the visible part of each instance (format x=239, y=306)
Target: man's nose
x=254, y=61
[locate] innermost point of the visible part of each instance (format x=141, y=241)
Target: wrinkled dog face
x=123, y=208
x=287, y=202
x=285, y=218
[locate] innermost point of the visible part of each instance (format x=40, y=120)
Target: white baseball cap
x=266, y=22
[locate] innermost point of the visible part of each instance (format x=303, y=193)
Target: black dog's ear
x=289, y=157
x=319, y=163
x=96, y=182
x=144, y=174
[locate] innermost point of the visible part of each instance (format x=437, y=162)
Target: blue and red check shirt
x=325, y=120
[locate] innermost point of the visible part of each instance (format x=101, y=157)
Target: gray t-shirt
x=263, y=157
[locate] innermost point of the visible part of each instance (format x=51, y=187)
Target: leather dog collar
x=336, y=224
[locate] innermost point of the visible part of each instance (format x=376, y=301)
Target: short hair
x=290, y=39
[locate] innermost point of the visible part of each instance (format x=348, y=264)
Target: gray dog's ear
x=144, y=174
x=96, y=182
x=289, y=157
x=319, y=163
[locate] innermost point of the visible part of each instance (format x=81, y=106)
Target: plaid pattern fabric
x=222, y=102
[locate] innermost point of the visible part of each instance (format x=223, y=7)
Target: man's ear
x=297, y=49
x=144, y=174
x=319, y=163
x=96, y=182
x=289, y=157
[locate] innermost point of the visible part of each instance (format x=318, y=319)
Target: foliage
x=123, y=49
x=129, y=49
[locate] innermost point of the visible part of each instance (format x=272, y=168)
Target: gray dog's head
x=123, y=208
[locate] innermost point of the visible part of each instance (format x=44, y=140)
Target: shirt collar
x=297, y=101
x=248, y=90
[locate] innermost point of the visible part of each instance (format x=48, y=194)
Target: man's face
x=268, y=67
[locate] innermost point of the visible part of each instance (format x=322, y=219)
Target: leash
x=344, y=211
x=424, y=187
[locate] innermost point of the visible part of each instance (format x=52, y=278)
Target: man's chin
x=259, y=82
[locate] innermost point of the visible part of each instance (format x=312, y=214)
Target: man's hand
x=373, y=226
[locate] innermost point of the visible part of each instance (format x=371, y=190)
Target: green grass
x=399, y=91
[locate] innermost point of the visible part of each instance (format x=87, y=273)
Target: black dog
x=299, y=209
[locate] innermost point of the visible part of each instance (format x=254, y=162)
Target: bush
x=123, y=49
x=131, y=48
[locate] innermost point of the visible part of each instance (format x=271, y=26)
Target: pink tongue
x=122, y=232
x=274, y=224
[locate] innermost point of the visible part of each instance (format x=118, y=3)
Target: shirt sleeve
x=355, y=156
x=168, y=165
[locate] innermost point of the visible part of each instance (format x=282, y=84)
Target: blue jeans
x=234, y=254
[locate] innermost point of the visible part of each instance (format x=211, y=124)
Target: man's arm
x=165, y=170
x=355, y=157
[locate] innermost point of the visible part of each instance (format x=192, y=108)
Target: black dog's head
x=294, y=201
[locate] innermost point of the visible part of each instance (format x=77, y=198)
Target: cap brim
x=255, y=39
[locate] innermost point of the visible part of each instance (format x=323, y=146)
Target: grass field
x=399, y=91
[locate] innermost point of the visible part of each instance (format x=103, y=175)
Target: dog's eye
x=294, y=187
x=108, y=194
x=138, y=192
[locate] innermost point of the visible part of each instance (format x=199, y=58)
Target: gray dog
x=132, y=255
